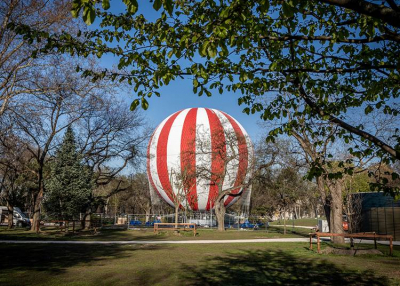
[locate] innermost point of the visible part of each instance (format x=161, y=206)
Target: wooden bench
x=173, y=226
x=65, y=224
x=352, y=235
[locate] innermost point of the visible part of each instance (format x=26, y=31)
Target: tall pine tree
x=70, y=184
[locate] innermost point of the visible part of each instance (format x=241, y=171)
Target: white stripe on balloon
x=153, y=161
x=203, y=157
x=174, y=152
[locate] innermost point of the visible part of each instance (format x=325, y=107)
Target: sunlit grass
x=211, y=264
x=148, y=234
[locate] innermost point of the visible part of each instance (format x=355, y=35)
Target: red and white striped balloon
x=190, y=137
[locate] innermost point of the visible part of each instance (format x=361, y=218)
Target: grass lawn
x=199, y=264
x=148, y=234
x=301, y=222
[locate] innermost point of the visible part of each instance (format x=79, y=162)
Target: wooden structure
x=172, y=226
x=352, y=235
x=62, y=224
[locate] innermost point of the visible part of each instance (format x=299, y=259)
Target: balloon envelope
x=195, y=153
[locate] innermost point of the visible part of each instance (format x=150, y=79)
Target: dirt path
x=265, y=240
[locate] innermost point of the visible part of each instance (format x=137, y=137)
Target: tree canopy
x=338, y=60
x=70, y=184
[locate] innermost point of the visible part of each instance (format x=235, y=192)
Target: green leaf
x=134, y=104
x=288, y=10
x=145, y=104
x=157, y=5
x=203, y=49
x=169, y=6
x=89, y=15
x=106, y=4
x=132, y=6
x=211, y=51
x=75, y=12
x=368, y=109
x=273, y=66
x=243, y=76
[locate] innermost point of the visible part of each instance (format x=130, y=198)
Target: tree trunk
x=220, y=214
x=327, y=211
x=85, y=223
x=336, y=210
x=297, y=214
x=10, y=209
x=38, y=200
x=36, y=211
x=176, y=215
x=326, y=200
x=284, y=221
x=148, y=212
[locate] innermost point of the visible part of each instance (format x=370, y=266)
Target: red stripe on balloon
x=188, y=158
x=218, y=156
x=243, y=157
x=162, y=167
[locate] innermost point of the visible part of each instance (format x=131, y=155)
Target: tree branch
x=385, y=14
x=385, y=147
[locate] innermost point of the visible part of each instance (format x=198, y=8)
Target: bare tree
x=17, y=65
x=40, y=118
x=233, y=155
x=183, y=183
x=129, y=194
x=15, y=178
x=111, y=137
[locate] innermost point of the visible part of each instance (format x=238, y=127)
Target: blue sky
x=179, y=95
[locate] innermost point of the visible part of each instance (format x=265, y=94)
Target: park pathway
x=259, y=240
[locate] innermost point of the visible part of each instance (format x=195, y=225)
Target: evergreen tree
x=70, y=184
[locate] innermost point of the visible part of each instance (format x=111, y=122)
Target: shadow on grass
x=290, y=230
x=57, y=259
x=49, y=233
x=275, y=268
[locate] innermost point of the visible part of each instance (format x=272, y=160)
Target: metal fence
x=201, y=219
x=205, y=219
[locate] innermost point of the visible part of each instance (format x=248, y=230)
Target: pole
x=391, y=247
x=394, y=225
x=384, y=209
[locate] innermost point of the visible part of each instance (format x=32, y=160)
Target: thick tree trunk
x=326, y=200
x=336, y=210
x=10, y=209
x=85, y=223
x=327, y=211
x=220, y=214
x=36, y=211
x=38, y=201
